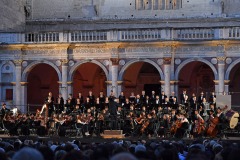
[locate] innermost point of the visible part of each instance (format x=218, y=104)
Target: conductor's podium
x=113, y=134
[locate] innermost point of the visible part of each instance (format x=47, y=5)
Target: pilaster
x=221, y=67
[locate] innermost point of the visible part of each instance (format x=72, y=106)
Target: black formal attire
x=162, y=98
x=138, y=104
x=171, y=98
x=143, y=98
x=211, y=97
x=182, y=98
x=91, y=100
x=200, y=99
x=50, y=106
x=122, y=99
x=113, y=113
x=59, y=105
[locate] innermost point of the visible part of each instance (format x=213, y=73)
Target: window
x=9, y=94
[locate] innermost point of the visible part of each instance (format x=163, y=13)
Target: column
x=64, y=85
x=120, y=83
x=226, y=86
x=167, y=73
x=216, y=86
x=109, y=87
x=18, y=71
x=113, y=73
x=221, y=67
x=69, y=88
x=25, y=108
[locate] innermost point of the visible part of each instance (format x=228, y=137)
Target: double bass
x=212, y=128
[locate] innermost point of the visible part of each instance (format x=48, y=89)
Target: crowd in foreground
x=119, y=150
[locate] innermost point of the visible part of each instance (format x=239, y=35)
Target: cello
x=175, y=126
x=212, y=128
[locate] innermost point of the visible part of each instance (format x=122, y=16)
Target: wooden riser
x=113, y=136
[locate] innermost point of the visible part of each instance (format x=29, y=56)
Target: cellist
x=199, y=127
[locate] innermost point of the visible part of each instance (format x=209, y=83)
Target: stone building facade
x=72, y=46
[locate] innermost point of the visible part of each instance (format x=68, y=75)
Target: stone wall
x=123, y=9
x=12, y=15
x=231, y=7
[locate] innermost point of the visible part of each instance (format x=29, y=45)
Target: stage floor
x=99, y=139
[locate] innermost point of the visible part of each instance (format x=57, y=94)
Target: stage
x=100, y=139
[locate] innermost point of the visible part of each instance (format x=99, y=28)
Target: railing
x=195, y=33
x=122, y=35
x=149, y=34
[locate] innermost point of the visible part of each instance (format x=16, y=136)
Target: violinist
x=82, y=122
x=100, y=122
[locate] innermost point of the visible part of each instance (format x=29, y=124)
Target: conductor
x=113, y=105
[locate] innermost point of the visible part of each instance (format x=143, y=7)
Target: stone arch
x=33, y=64
x=74, y=68
x=120, y=77
x=230, y=67
x=192, y=60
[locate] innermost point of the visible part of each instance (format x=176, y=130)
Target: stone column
x=216, y=86
x=64, y=85
x=226, y=86
x=120, y=83
x=167, y=73
x=221, y=67
x=109, y=87
x=69, y=88
x=24, y=97
x=113, y=73
x=18, y=71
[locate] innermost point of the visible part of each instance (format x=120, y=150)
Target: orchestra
x=138, y=115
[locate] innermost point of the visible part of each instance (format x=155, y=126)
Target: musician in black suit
x=80, y=97
x=137, y=102
x=72, y=101
x=4, y=110
x=174, y=104
x=122, y=98
x=152, y=98
x=59, y=104
x=183, y=96
x=172, y=97
x=162, y=97
x=113, y=108
x=212, y=97
x=193, y=103
x=49, y=101
x=200, y=98
x=143, y=96
x=91, y=98
x=222, y=121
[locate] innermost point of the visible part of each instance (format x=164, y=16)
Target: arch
x=74, y=68
x=230, y=67
x=33, y=64
x=193, y=60
x=120, y=77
